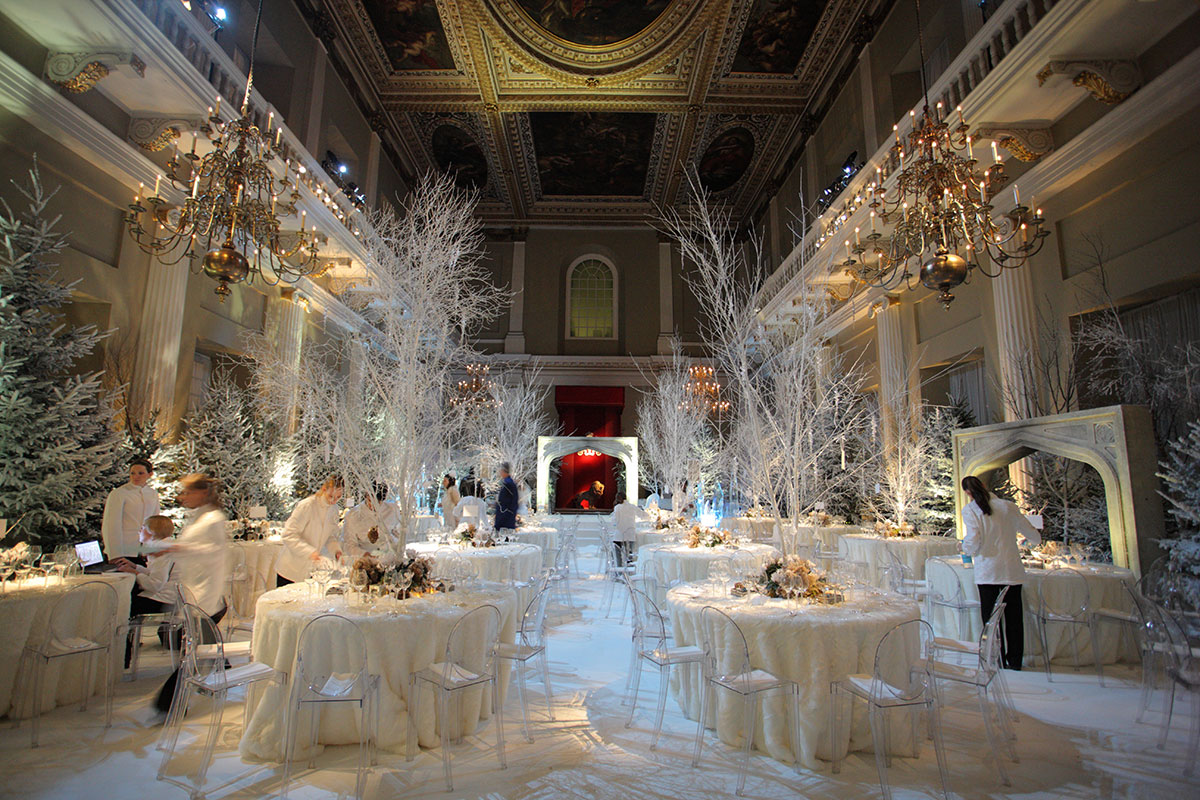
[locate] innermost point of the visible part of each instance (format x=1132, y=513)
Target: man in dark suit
x=506, y=502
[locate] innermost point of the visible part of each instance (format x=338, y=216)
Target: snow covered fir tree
x=57, y=445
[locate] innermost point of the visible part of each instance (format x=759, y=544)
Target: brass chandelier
x=235, y=196
x=476, y=391
x=941, y=209
x=703, y=392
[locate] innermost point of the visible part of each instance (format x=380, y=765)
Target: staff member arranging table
x=370, y=523
x=992, y=526
x=312, y=525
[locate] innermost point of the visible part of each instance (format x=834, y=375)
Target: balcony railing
x=1010, y=24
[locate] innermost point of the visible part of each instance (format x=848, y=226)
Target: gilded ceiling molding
x=1108, y=80
x=1027, y=142
x=155, y=133
x=611, y=65
x=79, y=71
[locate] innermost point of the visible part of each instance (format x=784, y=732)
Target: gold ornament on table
x=235, y=195
x=944, y=223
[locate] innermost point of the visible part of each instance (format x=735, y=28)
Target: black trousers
x=167, y=692
x=1013, y=624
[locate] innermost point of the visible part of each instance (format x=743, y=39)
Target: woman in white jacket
x=312, y=525
x=992, y=527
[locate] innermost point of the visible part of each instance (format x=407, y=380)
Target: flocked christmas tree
x=59, y=452
x=936, y=514
x=1181, y=478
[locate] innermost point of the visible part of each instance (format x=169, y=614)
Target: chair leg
x=171, y=731
x=664, y=679
x=524, y=699
x=210, y=744
x=1099, y=662
x=1194, y=737
x=939, y=749
x=1149, y=677
x=1041, y=626
x=834, y=750
x=794, y=691
x=546, y=682
x=699, y=743
x=749, y=721
x=636, y=677
x=498, y=712
x=986, y=711
x=109, y=687
x=414, y=699
x=444, y=722
x=291, y=721
x=879, y=736
x=39, y=665
x=364, y=744
x=1170, y=712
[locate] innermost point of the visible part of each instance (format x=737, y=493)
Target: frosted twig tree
x=669, y=428
x=428, y=293
x=511, y=424
x=796, y=400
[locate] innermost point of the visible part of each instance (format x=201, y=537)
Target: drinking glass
x=359, y=583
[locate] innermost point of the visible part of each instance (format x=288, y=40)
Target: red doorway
x=584, y=410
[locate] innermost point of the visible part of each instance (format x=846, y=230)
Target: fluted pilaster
x=160, y=333
x=1016, y=336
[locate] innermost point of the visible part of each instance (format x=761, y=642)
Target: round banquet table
x=797, y=536
x=499, y=563
x=24, y=619
x=683, y=564
x=754, y=529
x=542, y=536
x=819, y=645
x=913, y=551
x=1105, y=589
x=403, y=636
x=646, y=535
x=260, y=557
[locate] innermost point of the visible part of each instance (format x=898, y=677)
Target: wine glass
x=320, y=576
x=359, y=582
x=720, y=572
x=403, y=581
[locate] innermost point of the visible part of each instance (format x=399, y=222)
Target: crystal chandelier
x=476, y=390
x=703, y=392
x=235, y=196
x=944, y=223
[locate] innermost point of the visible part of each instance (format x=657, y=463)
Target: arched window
x=591, y=299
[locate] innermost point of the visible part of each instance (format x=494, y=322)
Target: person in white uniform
x=201, y=553
x=126, y=510
x=449, y=503
x=625, y=518
x=154, y=589
x=370, y=524
x=312, y=525
x=992, y=527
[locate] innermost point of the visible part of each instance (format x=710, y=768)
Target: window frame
x=615, y=293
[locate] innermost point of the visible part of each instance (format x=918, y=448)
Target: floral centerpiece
x=707, y=537
x=15, y=554
x=662, y=523
x=757, y=512
x=410, y=572
x=469, y=535
x=792, y=576
x=887, y=529
x=819, y=519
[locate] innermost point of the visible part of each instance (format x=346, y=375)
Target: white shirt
x=310, y=527
x=155, y=579
x=477, y=514
x=450, y=500
x=125, y=511
x=625, y=517
x=202, y=557
x=991, y=541
x=358, y=522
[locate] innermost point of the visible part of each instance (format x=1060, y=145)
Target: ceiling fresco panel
x=594, y=22
x=411, y=32
x=726, y=159
x=592, y=153
x=776, y=34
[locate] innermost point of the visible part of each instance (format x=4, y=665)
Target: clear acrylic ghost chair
x=1151, y=645
x=530, y=644
x=945, y=590
x=168, y=622
x=1063, y=599
x=900, y=681
x=902, y=580
x=962, y=647
x=560, y=575
x=1182, y=668
x=469, y=661
x=617, y=572
x=323, y=674
x=1129, y=620
x=240, y=615
x=651, y=642
x=83, y=624
x=517, y=577
x=983, y=675
x=726, y=666
x=567, y=535
x=204, y=674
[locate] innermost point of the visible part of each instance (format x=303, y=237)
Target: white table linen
x=424, y=523
x=647, y=536
x=817, y=646
x=913, y=552
x=25, y=618
x=402, y=637
x=542, y=536
x=796, y=536
x=684, y=564
x=1104, y=587
x=493, y=563
x=260, y=557
x=755, y=529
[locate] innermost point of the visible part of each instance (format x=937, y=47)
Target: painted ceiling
x=588, y=111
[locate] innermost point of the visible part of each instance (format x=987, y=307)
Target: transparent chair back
x=726, y=654
x=899, y=676
x=1064, y=593
x=744, y=565
x=479, y=626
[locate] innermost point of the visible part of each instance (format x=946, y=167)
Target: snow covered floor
x=1076, y=740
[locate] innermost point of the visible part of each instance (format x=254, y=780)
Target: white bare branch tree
x=512, y=422
x=669, y=427
x=796, y=399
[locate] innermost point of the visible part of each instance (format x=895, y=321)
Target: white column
x=316, y=105
x=666, y=295
x=160, y=334
x=514, y=342
x=1016, y=336
x=371, y=174
x=893, y=365
x=286, y=331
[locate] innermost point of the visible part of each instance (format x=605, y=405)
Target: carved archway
x=1117, y=441
x=624, y=448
